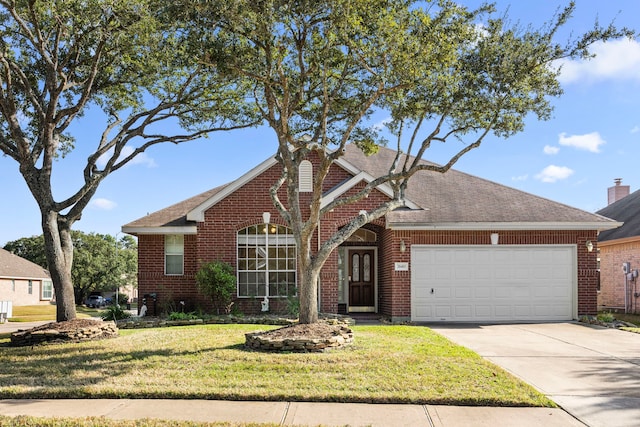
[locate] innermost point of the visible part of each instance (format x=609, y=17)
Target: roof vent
x=305, y=177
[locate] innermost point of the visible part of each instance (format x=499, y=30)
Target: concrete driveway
x=590, y=371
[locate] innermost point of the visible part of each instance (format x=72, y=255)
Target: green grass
x=625, y=317
x=44, y=312
x=386, y=364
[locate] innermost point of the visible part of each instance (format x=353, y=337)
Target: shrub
x=114, y=312
x=606, y=317
x=217, y=280
x=178, y=315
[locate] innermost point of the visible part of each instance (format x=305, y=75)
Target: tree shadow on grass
x=63, y=370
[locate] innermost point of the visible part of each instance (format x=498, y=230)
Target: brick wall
x=612, y=279
x=216, y=240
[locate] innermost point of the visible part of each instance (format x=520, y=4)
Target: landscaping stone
x=318, y=337
x=58, y=332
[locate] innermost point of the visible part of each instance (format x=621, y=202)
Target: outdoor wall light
x=403, y=247
x=589, y=246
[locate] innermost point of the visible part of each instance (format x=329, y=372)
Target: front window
x=47, y=290
x=266, y=261
x=174, y=254
x=30, y=287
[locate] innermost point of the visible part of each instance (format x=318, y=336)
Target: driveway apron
x=590, y=371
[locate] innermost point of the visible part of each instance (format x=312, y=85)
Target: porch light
x=403, y=247
x=266, y=217
x=589, y=246
x=494, y=238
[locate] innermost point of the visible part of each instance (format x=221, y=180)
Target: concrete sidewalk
x=292, y=413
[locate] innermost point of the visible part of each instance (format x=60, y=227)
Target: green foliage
x=293, y=306
x=217, y=280
x=606, y=317
x=100, y=262
x=114, y=312
x=178, y=315
x=131, y=63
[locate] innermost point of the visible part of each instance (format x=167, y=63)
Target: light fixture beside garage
x=494, y=238
x=589, y=246
x=403, y=247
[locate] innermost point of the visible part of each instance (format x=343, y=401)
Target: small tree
x=216, y=280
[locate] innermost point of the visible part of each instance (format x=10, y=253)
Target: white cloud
x=103, y=204
x=617, y=59
x=520, y=178
x=548, y=149
x=382, y=124
x=590, y=141
x=635, y=129
x=553, y=173
x=140, y=159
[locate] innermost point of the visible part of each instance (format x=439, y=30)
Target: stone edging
x=32, y=337
x=342, y=336
x=154, y=322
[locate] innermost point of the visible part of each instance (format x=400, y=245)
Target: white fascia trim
x=197, y=214
x=41, y=279
x=349, y=184
x=505, y=226
x=161, y=230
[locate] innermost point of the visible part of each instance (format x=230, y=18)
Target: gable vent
x=305, y=177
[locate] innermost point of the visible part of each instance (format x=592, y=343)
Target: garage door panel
x=443, y=311
x=485, y=283
x=482, y=292
x=465, y=311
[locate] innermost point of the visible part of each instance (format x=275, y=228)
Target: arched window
x=266, y=261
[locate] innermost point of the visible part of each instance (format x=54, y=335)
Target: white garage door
x=493, y=283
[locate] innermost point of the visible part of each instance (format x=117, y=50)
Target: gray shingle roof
x=174, y=215
x=13, y=266
x=626, y=210
x=457, y=197
x=451, y=198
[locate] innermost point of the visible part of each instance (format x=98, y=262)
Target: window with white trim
x=266, y=261
x=47, y=290
x=174, y=255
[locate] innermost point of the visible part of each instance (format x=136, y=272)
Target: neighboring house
x=463, y=249
x=23, y=282
x=620, y=291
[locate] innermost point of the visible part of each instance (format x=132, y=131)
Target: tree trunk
x=308, y=289
x=59, y=251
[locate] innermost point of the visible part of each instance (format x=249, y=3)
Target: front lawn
x=46, y=312
x=386, y=364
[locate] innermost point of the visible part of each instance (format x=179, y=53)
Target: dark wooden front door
x=361, y=278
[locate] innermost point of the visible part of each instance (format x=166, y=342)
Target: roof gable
x=15, y=267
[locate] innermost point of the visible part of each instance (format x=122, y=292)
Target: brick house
x=463, y=248
x=23, y=282
x=620, y=291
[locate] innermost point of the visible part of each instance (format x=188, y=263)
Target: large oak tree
x=320, y=68
x=125, y=58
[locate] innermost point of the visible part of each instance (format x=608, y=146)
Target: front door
x=362, y=280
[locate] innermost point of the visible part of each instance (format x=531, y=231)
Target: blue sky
x=592, y=138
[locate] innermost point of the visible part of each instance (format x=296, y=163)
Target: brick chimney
x=618, y=191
